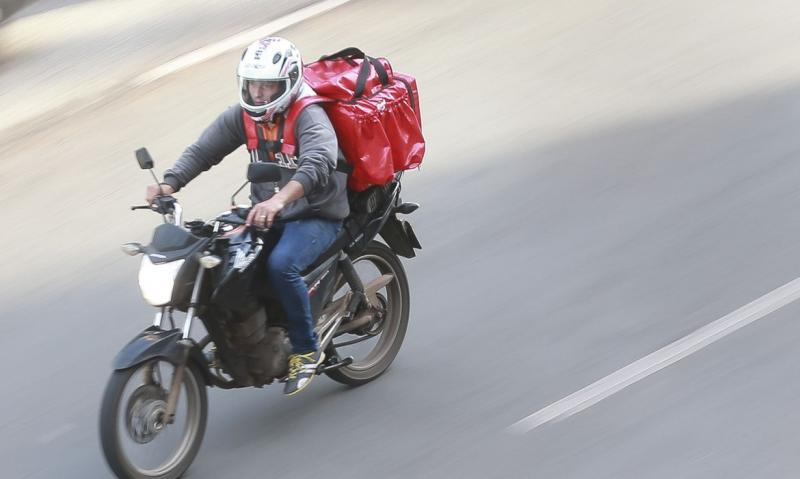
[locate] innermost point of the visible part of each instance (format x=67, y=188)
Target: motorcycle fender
x=152, y=343
x=400, y=237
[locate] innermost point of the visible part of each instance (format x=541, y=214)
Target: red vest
x=276, y=142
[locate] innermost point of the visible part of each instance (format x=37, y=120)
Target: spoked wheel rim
x=368, y=350
x=147, y=444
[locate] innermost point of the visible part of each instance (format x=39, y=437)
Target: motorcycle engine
x=260, y=349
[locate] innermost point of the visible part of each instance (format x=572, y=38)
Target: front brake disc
x=145, y=413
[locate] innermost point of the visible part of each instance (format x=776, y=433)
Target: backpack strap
x=289, y=146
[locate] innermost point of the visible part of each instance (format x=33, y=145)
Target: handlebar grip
x=235, y=221
x=164, y=204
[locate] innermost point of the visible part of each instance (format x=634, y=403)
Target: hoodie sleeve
x=318, y=149
x=219, y=139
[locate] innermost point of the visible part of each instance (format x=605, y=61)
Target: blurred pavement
x=59, y=55
x=602, y=179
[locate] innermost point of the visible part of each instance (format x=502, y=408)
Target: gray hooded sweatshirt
x=314, y=165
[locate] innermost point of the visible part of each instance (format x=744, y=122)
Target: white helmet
x=270, y=77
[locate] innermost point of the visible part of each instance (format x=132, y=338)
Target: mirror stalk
x=160, y=186
x=233, y=197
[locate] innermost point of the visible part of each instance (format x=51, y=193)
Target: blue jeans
x=300, y=243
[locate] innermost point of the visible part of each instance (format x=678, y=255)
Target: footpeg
x=334, y=363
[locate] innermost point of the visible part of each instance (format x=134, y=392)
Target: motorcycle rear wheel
x=124, y=416
x=391, y=332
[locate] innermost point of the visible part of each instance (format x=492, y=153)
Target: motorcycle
x=154, y=409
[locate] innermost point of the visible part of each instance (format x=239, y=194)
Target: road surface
x=603, y=178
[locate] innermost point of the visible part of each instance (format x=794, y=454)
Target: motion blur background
x=603, y=177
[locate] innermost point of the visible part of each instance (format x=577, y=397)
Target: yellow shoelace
x=296, y=363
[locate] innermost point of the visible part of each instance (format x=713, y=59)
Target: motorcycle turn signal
x=131, y=249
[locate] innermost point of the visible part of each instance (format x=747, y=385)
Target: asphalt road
x=602, y=179
x=65, y=54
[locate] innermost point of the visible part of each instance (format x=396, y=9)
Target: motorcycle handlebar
x=166, y=204
x=161, y=204
x=238, y=216
x=231, y=220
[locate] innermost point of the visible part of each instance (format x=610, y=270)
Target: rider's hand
x=157, y=190
x=263, y=214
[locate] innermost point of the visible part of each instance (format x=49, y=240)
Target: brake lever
x=142, y=207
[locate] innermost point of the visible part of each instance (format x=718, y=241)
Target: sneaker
x=302, y=369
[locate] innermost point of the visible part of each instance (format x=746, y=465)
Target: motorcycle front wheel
x=137, y=441
x=374, y=348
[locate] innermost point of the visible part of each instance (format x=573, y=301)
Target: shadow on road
x=10, y=7
x=587, y=253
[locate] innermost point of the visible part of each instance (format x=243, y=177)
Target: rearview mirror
x=263, y=173
x=144, y=159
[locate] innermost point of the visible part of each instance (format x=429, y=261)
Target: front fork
x=185, y=345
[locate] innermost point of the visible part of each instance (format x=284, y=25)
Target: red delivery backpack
x=374, y=110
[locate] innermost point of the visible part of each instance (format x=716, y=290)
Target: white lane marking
x=654, y=362
x=51, y=436
x=236, y=41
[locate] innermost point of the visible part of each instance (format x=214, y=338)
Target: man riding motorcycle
x=312, y=200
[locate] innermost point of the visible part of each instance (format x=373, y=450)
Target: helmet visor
x=262, y=93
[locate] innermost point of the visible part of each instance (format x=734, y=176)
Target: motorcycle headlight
x=157, y=280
